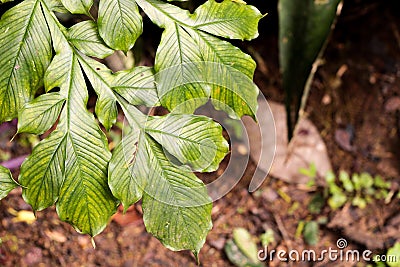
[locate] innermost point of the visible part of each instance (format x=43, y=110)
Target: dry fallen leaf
x=25, y=216
x=55, y=236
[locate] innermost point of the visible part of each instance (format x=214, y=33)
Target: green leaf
x=394, y=254
x=7, y=183
x=228, y=19
x=345, y=179
x=136, y=86
x=236, y=256
x=192, y=65
x=245, y=243
x=196, y=141
x=127, y=169
x=303, y=30
x=23, y=29
x=39, y=115
x=311, y=232
x=44, y=172
x=78, y=6
x=85, y=37
x=70, y=166
x=56, y=5
x=101, y=79
x=120, y=23
x=337, y=200
x=176, y=206
x=178, y=80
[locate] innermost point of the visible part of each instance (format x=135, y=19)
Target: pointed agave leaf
x=85, y=37
x=137, y=86
x=7, y=183
x=176, y=206
x=303, y=29
x=23, y=29
x=101, y=78
x=120, y=23
x=78, y=6
x=39, y=115
x=196, y=141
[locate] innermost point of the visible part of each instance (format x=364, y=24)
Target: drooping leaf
x=192, y=65
x=40, y=114
x=196, y=141
x=101, y=79
x=70, y=166
x=7, y=183
x=44, y=172
x=120, y=23
x=85, y=37
x=176, y=206
x=303, y=29
x=78, y=6
x=23, y=29
x=124, y=172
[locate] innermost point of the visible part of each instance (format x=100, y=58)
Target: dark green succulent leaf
x=78, y=6
x=120, y=23
x=7, y=183
x=137, y=86
x=39, y=115
x=21, y=71
x=303, y=29
x=195, y=141
x=85, y=37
